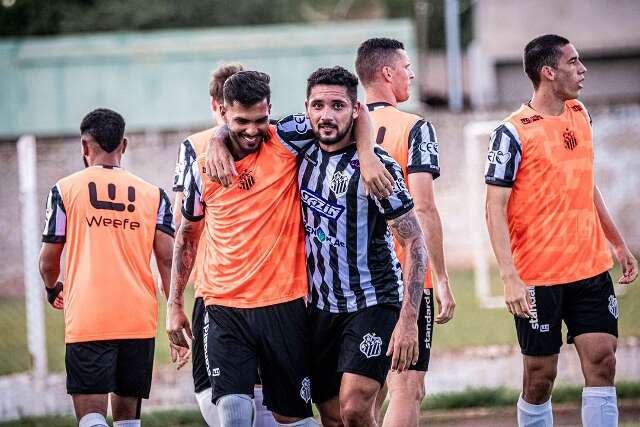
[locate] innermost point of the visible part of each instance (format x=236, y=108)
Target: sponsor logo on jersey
x=215, y=372
x=355, y=164
x=371, y=346
x=339, y=183
x=529, y=120
x=302, y=124
x=324, y=207
x=570, y=141
x=497, y=157
x=310, y=160
x=576, y=107
x=613, y=306
x=533, y=321
x=246, y=180
x=305, y=390
x=322, y=236
x=428, y=147
x=400, y=186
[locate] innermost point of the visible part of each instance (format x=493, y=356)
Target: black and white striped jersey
x=351, y=259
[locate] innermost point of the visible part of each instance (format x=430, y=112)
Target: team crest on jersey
x=570, y=141
x=371, y=346
x=339, y=183
x=498, y=157
x=428, y=147
x=613, y=306
x=246, y=180
x=305, y=390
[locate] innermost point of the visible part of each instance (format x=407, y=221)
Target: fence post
x=34, y=293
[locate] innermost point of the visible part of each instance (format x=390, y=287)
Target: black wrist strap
x=52, y=293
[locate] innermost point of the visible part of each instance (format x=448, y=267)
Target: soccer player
x=549, y=228
x=384, y=69
x=190, y=148
x=110, y=222
x=360, y=311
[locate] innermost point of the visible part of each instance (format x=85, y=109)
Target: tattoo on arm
x=406, y=229
x=184, y=255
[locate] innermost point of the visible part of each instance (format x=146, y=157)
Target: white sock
x=93, y=420
x=599, y=407
x=208, y=410
x=306, y=422
x=264, y=417
x=530, y=415
x=235, y=410
x=127, y=423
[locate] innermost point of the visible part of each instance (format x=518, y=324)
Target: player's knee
x=600, y=368
x=355, y=411
x=538, y=382
x=235, y=410
x=407, y=386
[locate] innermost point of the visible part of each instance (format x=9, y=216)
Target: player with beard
x=254, y=276
x=360, y=311
x=549, y=229
x=385, y=72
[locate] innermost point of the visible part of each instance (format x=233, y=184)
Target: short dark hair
x=247, y=87
x=541, y=51
x=337, y=76
x=105, y=126
x=374, y=54
x=220, y=75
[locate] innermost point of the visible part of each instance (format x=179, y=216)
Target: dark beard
x=339, y=135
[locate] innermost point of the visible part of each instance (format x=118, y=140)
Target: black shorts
x=275, y=338
x=356, y=343
x=123, y=367
x=585, y=306
x=425, y=331
x=198, y=368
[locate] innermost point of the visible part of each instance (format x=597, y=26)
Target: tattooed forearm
x=184, y=255
x=406, y=229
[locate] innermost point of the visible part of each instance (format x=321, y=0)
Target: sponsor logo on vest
x=305, y=390
x=339, y=183
x=497, y=157
x=371, y=346
x=246, y=180
x=529, y=120
x=576, y=108
x=111, y=192
x=613, y=306
x=320, y=205
x=570, y=141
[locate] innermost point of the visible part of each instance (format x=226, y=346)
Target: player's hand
x=178, y=328
x=629, y=265
x=54, y=296
x=517, y=298
x=403, y=345
x=446, y=302
x=179, y=355
x=220, y=166
x=378, y=181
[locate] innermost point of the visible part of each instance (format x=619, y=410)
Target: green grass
x=471, y=325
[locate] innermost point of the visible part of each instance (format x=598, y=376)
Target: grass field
x=471, y=326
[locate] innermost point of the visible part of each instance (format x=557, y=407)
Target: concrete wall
x=606, y=34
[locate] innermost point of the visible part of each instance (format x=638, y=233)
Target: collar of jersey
x=375, y=105
x=107, y=167
x=528, y=106
x=350, y=147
